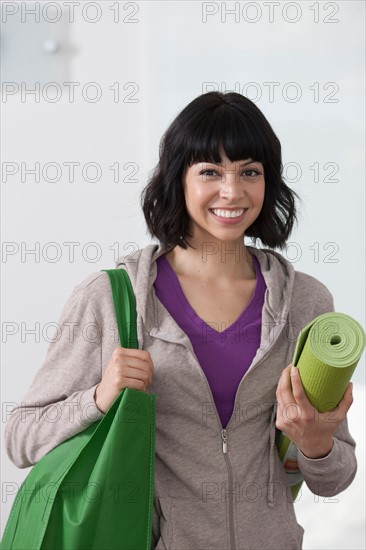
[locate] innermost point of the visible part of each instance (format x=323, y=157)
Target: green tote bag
x=95, y=490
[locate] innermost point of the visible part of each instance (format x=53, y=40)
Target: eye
x=251, y=173
x=254, y=173
x=205, y=172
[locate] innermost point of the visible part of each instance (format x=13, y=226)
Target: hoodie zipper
x=223, y=431
x=223, y=438
x=224, y=442
x=231, y=492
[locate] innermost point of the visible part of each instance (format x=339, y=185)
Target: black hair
x=213, y=122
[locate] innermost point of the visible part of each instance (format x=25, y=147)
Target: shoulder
x=308, y=287
x=310, y=296
x=301, y=291
x=304, y=286
x=94, y=285
x=91, y=296
x=95, y=289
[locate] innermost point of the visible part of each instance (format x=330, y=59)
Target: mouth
x=229, y=215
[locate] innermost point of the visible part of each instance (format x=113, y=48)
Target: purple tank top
x=224, y=356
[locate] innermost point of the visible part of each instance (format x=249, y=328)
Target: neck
x=213, y=261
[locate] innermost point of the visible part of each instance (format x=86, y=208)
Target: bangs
x=225, y=129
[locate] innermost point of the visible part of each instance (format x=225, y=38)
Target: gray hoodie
x=207, y=495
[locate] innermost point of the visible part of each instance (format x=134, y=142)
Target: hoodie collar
x=277, y=272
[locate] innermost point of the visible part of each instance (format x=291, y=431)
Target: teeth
x=228, y=213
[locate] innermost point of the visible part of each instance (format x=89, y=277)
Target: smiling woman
x=217, y=324
x=218, y=180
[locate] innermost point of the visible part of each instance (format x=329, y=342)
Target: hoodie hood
x=277, y=272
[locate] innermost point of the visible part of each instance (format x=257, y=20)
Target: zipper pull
x=224, y=441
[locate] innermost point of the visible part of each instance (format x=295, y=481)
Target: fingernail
x=293, y=370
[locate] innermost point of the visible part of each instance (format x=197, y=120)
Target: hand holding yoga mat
x=326, y=354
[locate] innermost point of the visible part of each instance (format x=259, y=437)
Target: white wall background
x=169, y=51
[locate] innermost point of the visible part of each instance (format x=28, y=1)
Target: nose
x=231, y=186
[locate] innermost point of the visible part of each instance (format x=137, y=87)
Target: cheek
x=260, y=192
x=196, y=195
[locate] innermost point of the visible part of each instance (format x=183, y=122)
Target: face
x=228, y=187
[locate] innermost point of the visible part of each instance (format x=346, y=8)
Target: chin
x=225, y=238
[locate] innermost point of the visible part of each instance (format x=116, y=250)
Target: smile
x=227, y=213
x=228, y=216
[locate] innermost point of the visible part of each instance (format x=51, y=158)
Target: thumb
x=347, y=400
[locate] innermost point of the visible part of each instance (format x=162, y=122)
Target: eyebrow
x=241, y=164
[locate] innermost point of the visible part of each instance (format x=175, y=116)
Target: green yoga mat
x=327, y=352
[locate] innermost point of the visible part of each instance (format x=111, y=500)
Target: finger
x=284, y=386
x=136, y=372
x=281, y=385
x=136, y=363
x=346, y=401
x=298, y=389
x=136, y=353
x=290, y=411
x=279, y=398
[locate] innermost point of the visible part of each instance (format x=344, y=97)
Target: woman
x=217, y=325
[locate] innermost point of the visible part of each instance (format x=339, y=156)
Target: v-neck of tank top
x=243, y=318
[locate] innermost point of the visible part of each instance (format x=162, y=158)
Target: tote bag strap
x=125, y=307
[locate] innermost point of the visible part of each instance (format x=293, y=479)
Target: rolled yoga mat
x=327, y=352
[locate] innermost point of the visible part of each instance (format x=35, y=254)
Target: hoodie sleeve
x=60, y=401
x=333, y=473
